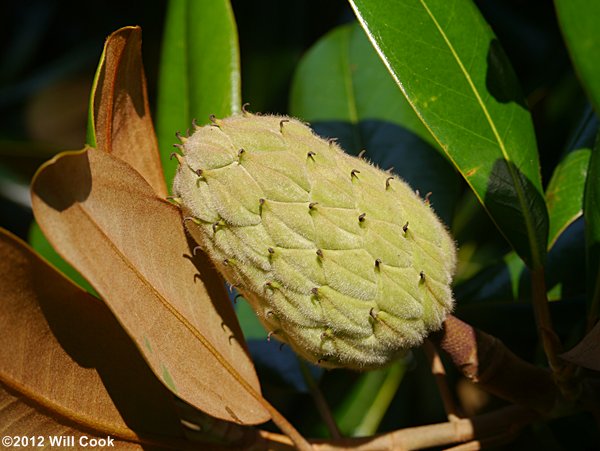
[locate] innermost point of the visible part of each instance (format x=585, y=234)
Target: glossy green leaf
x=578, y=20
x=451, y=68
x=345, y=91
x=199, y=70
x=591, y=212
x=564, y=194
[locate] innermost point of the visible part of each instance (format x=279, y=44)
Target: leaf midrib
x=171, y=309
x=53, y=407
x=518, y=189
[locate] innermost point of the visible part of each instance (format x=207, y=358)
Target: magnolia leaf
x=578, y=20
x=119, y=118
x=66, y=365
x=42, y=429
x=564, y=194
x=199, y=71
x=119, y=122
x=455, y=75
x=107, y=222
x=344, y=90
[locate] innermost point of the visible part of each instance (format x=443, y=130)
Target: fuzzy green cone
x=339, y=259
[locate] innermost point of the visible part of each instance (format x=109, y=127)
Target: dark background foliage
x=49, y=52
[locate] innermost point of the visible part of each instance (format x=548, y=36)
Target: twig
x=489, y=425
x=320, y=402
x=439, y=374
x=485, y=360
x=473, y=445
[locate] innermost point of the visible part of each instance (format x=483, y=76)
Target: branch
x=482, y=427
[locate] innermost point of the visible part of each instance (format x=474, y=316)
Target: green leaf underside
x=564, y=194
x=454, y=74
x=345, y=91
x=199, y=70
x=578, y=20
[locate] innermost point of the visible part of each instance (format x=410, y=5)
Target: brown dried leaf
x=20, y=419
x=66, y=365
x=587, y=352
x=105, y=220
x=120, y=112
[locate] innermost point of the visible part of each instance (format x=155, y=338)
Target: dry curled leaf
x=120, y=113
x=106, y=221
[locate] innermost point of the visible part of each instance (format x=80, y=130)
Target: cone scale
x=340, y=260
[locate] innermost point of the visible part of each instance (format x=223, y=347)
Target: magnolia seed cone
x=340, y=260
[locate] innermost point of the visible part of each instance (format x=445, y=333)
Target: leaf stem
x=320, y=401
x=439, y=373
x=550, y=340
x=285, y=426
x=594, y=304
